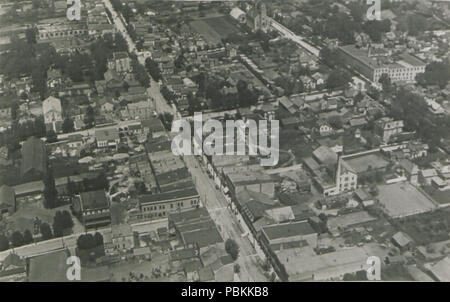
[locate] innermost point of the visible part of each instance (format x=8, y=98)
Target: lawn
x=426, y=228
x=292, y=139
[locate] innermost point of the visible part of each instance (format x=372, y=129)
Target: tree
x=4, y=242
x=167, y=119
x=61, y=221
x=50, y=193
x=30, y=34
x=17, y=239
x=51, y=136
x=232, y=248
x=140, y=72
x=46, y=231
x=68, y=125
x=385, y=82
x=27, y=237
x=89, y=117
x=338, y=78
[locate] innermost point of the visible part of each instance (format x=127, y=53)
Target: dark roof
x=33, y=156
x=288, y=230
x=186, y=193
x=202, y=238
x=183, y=254
x=187, y=216
x=94, y=200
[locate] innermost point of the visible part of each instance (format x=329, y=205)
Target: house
x=387, y=127
x=318, y=78
x=402, y=240
x=52, y=111
x=426, y=176
x=54, y=78
x=324, y=128
x=106, y=105
x=140, y=110
x=119, y=239
x=410, y=169
x=34, y=160
x=120, y=62
x=153, y=126
x=7, y=200
x=93, y=209
x=107, y=137
x=308, y=83
x=237, y=14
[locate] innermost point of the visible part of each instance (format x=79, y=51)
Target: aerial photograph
x=225, y=141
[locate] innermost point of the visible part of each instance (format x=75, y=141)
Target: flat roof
x=287, y=230
x=184, y=193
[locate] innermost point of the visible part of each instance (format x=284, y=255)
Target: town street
x=213, y=199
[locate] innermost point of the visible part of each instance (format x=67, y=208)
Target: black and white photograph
x=243, y=143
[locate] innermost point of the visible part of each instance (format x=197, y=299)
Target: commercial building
x=372, y=63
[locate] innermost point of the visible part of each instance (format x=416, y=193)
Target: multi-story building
x=387, y=127
x=372, y=64
x=93, y=209
x=157, y=206
x=61, y=30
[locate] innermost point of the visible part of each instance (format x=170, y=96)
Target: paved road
x=217, y=206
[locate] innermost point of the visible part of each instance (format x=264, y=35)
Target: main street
x=212, y=198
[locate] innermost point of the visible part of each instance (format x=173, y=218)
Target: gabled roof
x=33, y=156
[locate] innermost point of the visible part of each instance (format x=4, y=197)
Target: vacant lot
x=214, y=29
x=403, y=199
x=426, y=228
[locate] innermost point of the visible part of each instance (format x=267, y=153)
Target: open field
x=214, y=29
x=428, y=227
x=403, y=199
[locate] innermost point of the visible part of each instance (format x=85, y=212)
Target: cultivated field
x=214, y=29
x=403, y=199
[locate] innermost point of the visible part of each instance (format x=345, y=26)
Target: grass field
x=403, y=199
x=214, y=29
x=427, y=228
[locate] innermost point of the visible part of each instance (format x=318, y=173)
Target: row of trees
x=18, y=239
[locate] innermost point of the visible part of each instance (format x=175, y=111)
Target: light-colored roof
x=51, y=104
